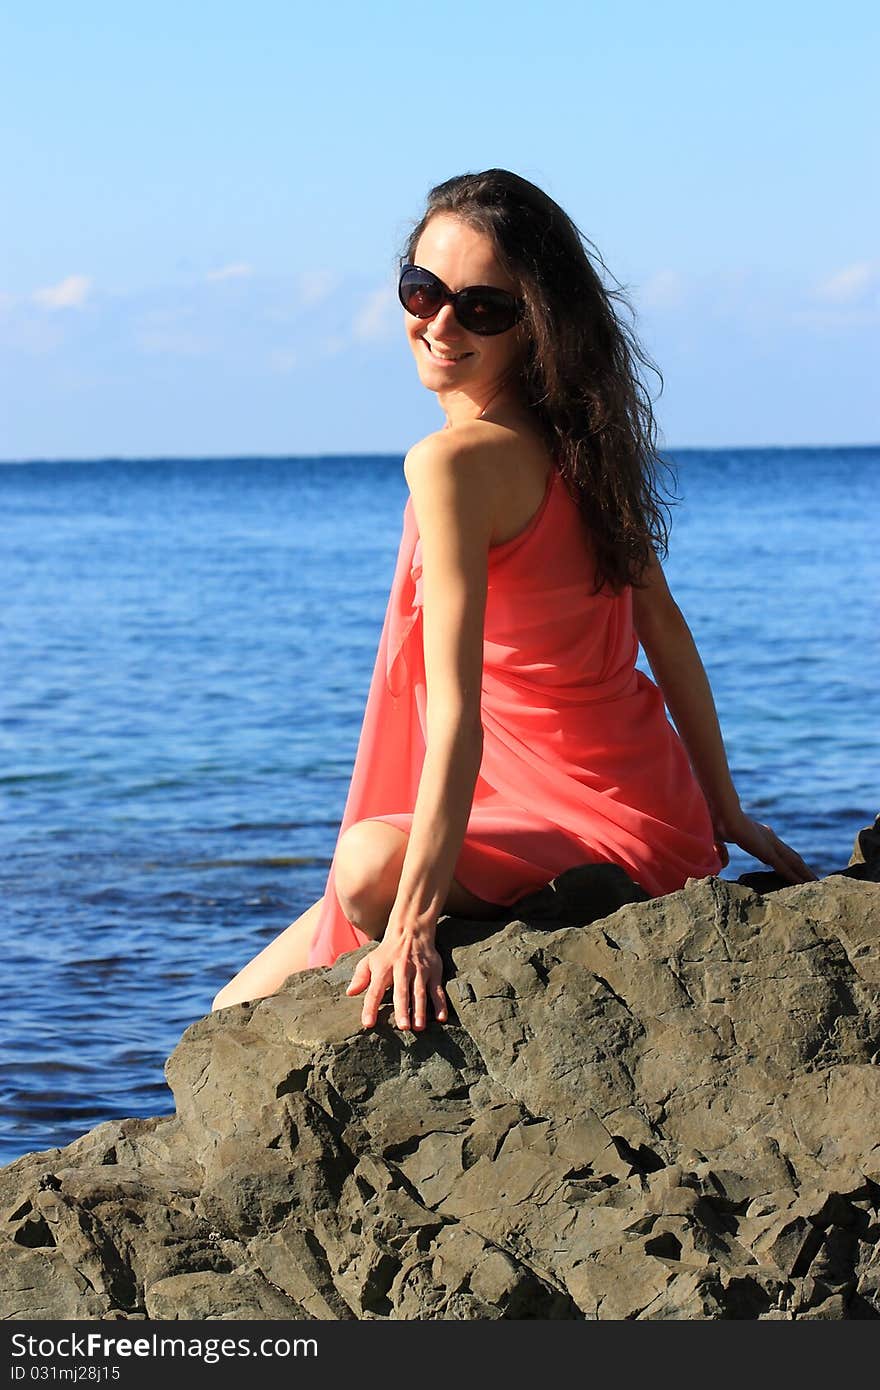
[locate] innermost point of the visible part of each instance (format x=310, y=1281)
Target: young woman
x=508, y=735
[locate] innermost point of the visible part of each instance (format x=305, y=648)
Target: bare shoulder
x=452, y=491
x=492, y=470
x=465, y=449
x=653, y=601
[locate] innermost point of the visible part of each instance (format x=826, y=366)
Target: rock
x=652, y=1108
x=866, y=849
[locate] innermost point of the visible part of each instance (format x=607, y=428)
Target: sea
x=185, y=652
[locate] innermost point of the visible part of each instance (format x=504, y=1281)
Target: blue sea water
x=186, y=647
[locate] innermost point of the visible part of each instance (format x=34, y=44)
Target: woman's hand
x=412, y=965
x=763, y=843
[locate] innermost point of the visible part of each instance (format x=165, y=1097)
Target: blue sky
x=204, y=204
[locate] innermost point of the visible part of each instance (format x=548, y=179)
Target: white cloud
x=231, y=272
x=849, y=284
x=34, y=337
x=845, y=318
x=315, y=285
x=171, y=344
x=332, y=346
x=164, y=332
x=283, y=361
x=67, y=294
x=664, y=290
x=376, y=318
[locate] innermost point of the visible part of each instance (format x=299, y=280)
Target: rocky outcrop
x=639, y=1109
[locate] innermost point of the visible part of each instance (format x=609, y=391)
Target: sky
x=204, y=207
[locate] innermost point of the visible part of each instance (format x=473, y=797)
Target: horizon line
x=396, y=454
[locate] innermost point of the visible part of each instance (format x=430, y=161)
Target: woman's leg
x=369, y=860
x=461, y=902
x=266, y=973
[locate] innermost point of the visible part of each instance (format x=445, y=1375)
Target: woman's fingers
x=795, y=865
x=413, y=982
x=420, y=1002
x=401, y=995
x=376, y=992
x=423, y=988
x=786, y=860
x=438, y=995
x=762, y=841
x=360, y=977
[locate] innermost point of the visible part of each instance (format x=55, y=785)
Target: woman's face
x=451, y=360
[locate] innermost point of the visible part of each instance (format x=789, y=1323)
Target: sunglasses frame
x=455, y=298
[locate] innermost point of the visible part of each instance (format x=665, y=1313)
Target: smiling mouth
x=443, y=357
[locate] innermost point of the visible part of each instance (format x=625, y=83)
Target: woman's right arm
x=675, y=662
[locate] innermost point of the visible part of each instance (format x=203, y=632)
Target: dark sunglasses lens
x=486, y=311
x=420, y=294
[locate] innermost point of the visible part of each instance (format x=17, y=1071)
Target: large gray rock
x=663, y=1108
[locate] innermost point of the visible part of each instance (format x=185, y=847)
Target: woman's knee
x=368, y=863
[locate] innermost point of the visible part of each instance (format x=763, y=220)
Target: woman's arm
x=675, y=662
x=451, y=486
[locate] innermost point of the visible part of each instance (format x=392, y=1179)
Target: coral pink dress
x=580, y=762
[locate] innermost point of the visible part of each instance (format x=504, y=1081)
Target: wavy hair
x=580, y=376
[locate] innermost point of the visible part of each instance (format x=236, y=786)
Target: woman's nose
x=444, y=320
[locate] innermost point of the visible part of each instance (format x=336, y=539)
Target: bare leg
x=369, y=862
x=266, y=973
x=369, y=867
x=461, y=902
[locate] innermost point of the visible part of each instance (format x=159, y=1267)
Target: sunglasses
x=479, y=309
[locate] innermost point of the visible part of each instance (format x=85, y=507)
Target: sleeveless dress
x=580, y=762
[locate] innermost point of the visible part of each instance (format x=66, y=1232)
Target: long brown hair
x=580, y=376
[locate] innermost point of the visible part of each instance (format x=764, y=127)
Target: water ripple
x=190, y=646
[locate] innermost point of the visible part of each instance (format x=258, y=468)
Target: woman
x=508, y=735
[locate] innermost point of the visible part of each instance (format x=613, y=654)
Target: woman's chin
x=441, y=378
x=432, y=380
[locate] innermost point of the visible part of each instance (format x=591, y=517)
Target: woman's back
x=546, y=628
x=523, y=467
x=580, y=763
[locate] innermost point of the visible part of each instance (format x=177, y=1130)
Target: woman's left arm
x=452, y=494
x=675, y=662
